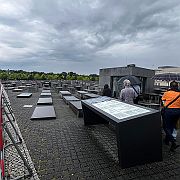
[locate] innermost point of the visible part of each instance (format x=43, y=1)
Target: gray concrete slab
x=24, y=95
x=64, y=93
x=45, y=101
x=90, y=95
x=45, y=94
x=76, y=108
x=46, y=91
x=67, y=99
x=17, y=90
x=43, y=112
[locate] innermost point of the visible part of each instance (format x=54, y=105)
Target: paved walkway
x=65, y=149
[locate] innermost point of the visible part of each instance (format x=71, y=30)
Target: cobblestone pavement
x=65, y=149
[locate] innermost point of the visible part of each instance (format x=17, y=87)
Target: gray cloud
x=86, y=35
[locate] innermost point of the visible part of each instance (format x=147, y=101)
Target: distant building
x=163, y=70
x=167, y=69
x=110, y=76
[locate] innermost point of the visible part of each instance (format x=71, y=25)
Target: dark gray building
x=110, y=76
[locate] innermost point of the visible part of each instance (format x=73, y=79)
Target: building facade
x=164, y=70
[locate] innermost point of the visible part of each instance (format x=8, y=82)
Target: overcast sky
x=84, y=36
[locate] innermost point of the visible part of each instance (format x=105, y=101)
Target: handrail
x=2, y=172
x=7, y=127
x=1, y=120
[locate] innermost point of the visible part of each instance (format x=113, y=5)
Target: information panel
x=119, y=109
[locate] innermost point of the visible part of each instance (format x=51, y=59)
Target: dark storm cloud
x=86, y=35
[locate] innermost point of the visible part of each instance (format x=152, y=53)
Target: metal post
x=17, y=134
x=18, y=150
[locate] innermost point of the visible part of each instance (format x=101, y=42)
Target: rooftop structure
x=110, y=76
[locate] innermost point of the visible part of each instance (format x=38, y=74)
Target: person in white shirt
x=128, y=93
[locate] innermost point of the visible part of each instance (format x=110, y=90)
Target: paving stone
x=70, y=148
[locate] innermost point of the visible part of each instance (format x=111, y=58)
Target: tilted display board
x=137, y=128
x=119, y=109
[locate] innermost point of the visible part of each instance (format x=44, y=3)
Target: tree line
x=24, y=75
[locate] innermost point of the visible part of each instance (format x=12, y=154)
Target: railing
x=11, y=141
x=2, y=174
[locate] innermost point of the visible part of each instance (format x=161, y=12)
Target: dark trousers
x=136, y=100
x=170, y=118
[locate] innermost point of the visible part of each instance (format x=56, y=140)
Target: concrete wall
x=145, y=73
x=105, y=76
x=104, y=80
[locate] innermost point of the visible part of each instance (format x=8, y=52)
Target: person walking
x=107, y=91
x=127, y=94
x=171, y=113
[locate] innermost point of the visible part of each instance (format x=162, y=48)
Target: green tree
x=55, y=77
x=37, y=76
x=49, y=77
x=43, y=77
x=64, y=75
x=23, y=76
x=3, y=76
x=30, y=76
x=79, y=77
